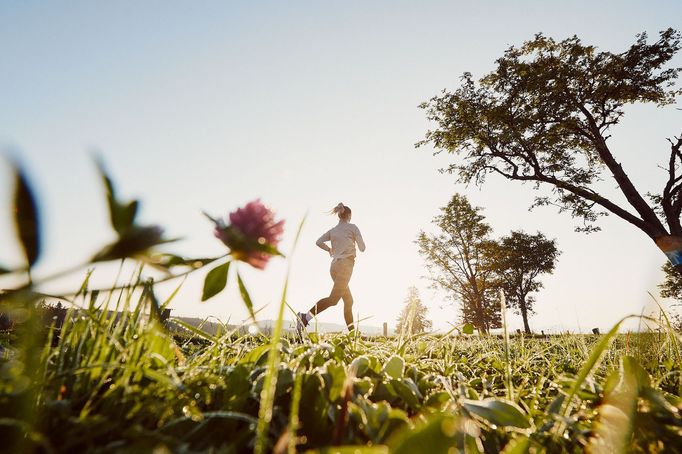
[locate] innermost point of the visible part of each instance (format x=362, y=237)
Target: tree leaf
x=215, y=281
x=26, y=217
x=498, y=412
x=245, y=296
x=468, y=328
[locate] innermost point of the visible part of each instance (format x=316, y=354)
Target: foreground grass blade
x=293, y=414
x=507, y=358
x=617, y=413
x=194, y=330
x=590, y=364
x=267, y=396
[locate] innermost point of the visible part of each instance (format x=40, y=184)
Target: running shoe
x=301, y=322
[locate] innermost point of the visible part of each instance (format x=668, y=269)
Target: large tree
x=518, y=260
x=413, y=319
x=456, y=259
x=544, y=115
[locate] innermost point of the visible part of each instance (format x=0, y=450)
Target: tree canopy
x=671, y=287
x=518, y=260
x=544, y=115
x=455, y=257
x=412, y=318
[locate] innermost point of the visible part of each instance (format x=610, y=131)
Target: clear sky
x=303, y=104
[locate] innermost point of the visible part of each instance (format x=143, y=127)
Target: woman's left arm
x=321, y=242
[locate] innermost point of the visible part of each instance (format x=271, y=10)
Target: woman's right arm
x=358, y=239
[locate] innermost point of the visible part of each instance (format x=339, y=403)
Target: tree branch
x=671, y=201
x=651, y=225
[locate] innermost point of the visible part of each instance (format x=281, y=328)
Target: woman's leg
x=331, y=300
x=347, y=272
x=341, y=271
x=348, y=308
x=334, y=295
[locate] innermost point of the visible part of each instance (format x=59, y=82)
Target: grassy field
x=117, y=377
x=132, y=384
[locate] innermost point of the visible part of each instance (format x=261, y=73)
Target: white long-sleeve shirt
x=343, y=237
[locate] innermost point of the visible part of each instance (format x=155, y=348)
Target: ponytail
x=342, y=211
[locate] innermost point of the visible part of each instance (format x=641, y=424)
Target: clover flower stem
x=57, y=275
x=165, y=279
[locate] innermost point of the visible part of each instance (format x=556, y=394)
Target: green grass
x=122, y=383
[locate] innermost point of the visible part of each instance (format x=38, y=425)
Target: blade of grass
x=293, y=414
x=671, y=331
x=267, y=396
x=591, y=363
x=193, y=329
x=507, y=360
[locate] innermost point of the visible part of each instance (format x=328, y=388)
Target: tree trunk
x=671, y=245
x=482, y=325
x=524, y=314
x=480, y=322
x=480, y=313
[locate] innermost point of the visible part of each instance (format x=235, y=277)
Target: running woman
x=343, y=239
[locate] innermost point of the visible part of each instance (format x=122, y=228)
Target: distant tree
x=455, y=257
x=671, y=287
x=518, y=260
x=413, y=319
x=544, y=116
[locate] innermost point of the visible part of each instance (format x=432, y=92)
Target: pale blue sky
x=303, y=104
